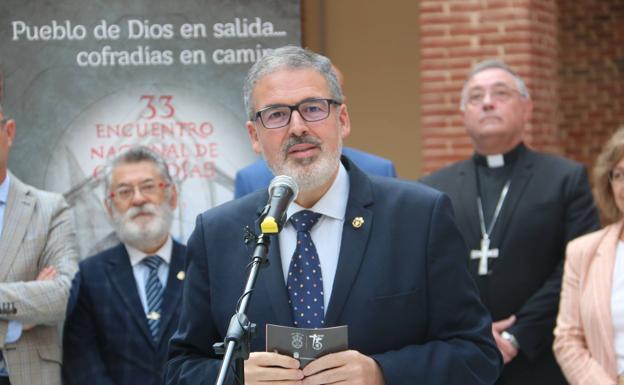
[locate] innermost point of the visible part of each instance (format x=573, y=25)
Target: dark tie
x=153, y=294
x=305, y=281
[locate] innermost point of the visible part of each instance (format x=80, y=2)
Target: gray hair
x=289, y=57
x=490, y=64
x=135, y=155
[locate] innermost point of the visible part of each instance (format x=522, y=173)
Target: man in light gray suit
x=38, y=257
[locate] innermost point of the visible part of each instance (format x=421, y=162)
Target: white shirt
x=326, y=233
x=617, y=306
x=141, y=271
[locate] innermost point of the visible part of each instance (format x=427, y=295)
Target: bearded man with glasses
x=517, y=209
x=128, y=296
x=258, y=175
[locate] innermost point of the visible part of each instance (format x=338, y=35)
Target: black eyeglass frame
x=295, y=107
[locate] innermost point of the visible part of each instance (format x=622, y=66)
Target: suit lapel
x=467, y=197
x=173, y=290
x=18, y=212
x=276, y=287
x=274, y=278
x=121, y=276
x=353, y=244
x=601, y=286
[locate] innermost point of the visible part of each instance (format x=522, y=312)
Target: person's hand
x=508, y=351
x=348, y=367
x=266, y=367
x=46, y=274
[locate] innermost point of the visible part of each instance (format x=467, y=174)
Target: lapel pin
x=357, y=222
x=180, y=276
x=153, y=316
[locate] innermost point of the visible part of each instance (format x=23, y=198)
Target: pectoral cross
x=483, y=255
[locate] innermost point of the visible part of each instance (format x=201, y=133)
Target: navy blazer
x=258, y=176
x=106, y=339
x=401, y=285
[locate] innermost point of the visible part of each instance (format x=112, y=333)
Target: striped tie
x=154, y=294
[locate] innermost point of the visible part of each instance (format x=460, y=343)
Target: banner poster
x=85, y=80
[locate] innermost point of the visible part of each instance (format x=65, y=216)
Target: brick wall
x=592, y=75
x=457, y=34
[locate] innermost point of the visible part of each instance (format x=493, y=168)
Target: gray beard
x=311, y=173
x=146, y=236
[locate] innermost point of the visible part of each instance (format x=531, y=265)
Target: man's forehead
x=134, y=172
x=289, y=85
x=491, y=77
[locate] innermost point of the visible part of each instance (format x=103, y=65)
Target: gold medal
x=357, y=222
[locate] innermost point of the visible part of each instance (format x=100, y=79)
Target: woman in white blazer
x=589, y=336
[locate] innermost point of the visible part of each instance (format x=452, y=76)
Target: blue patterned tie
x=153, y=293
x=305, y=281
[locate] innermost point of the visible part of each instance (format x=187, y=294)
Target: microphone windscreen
x=284, y=180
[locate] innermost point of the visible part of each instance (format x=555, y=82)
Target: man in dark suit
x=258, y=175
x=516, y=209
x=128, y=296
x=382, y=256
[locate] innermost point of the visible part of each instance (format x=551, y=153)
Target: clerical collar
x=499, y=160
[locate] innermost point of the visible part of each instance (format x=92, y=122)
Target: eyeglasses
x=616, y=177
x=150, y=189
x=311, y=110
x=498, y=94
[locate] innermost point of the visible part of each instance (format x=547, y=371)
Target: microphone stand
x=240, y=331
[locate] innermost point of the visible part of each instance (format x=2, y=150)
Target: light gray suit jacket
x=37, y=232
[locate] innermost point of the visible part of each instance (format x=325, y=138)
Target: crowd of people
x=493, y=270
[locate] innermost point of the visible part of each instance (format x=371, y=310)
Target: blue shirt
x=4, y=195
x=14, y=331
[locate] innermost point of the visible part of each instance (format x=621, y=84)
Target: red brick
x=431, y=7
x=493, y=4
x=430, y=98
x=474, y=52
x=433, y=31
x=433, y=76
x=434, y=53
x=440, y=18
x=471, y=30
x=448, y=64
x=444, y=42
x=502, y=16
x=440, y=88
x=466, y=6
x=504, y=39
x=438, y=109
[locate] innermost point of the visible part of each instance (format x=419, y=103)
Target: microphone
x=282, y=191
